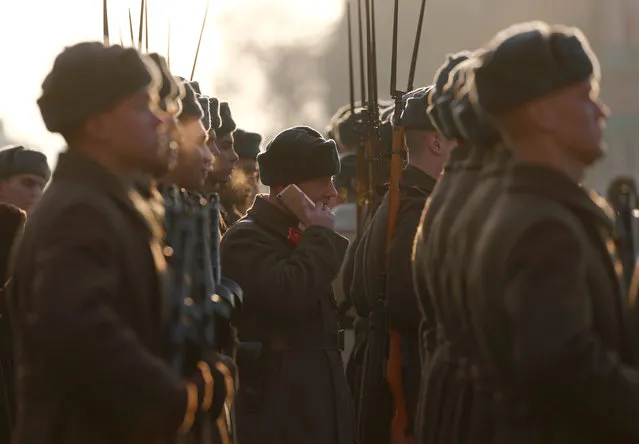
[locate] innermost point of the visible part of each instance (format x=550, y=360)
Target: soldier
x=90, y=319
x=225, y=159
x=12, y=220
x=23, y=176
x=427, y=153
x=440, y=197
x=556, y=357
x=455, y=389
x=293, y=385
x=194, y=160
x=238, y=193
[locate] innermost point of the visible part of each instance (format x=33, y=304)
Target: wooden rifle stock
x=400, y=433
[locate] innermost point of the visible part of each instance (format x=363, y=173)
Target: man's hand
x=322, y=216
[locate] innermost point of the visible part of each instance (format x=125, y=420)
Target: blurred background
x=284, y=62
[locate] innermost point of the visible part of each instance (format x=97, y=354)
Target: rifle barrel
x=131, y=28
x=418, y=36
x=362, y=75
x=199, y=42
x=146, y=24
x=351, y=81
x=105, y=23
x=393, y=76
x=141, y=28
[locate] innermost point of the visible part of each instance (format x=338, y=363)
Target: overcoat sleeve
x=92, y=349
x=279, y=283
x=556, y=355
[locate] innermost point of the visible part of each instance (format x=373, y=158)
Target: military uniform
x=293, y=385
x=370, y=268
x=553, y=234
x=11, y=223
x=448, y=387
x=92, y=241
x=554, y=355
x=87, y=301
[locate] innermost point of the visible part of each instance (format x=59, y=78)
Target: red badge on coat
x=295, y=235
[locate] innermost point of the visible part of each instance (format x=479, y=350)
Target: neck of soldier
x=104, y=157
x=427, y=163
x=546, y=151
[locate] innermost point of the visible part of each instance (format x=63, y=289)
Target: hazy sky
x=33, y=32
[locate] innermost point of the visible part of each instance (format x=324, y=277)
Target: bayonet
x=351, y=83
x=146, y=24
x=418, y=37
x=140, y=29
x=131, y=28
x=105, y=23
x=199, y=42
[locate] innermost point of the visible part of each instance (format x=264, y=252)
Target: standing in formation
x=494, y=293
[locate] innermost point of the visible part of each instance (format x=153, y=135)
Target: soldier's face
x=320, y=190
x=580, y=117
x=22, y=190
x=194, y=157
x=133, y=128
x=225, y=161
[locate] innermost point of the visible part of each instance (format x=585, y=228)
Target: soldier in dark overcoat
x=238, y=193
x=377, y=272
x=12, y=221
x=556, y=355
x=23, y=175
x=293, y=384
x=448, y=387
x=88, y=310
x=458, y=155
x=439, y=201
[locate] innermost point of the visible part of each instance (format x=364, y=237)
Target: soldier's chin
x=219, y=177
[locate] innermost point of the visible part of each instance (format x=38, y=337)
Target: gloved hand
x=215, y=381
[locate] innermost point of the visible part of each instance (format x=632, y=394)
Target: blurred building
x=612, y=26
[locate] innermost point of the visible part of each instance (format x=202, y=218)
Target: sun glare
x=39, y=29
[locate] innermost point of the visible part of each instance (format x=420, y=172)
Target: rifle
x=383, y=360
x=205, y=304
x=361, y=171
x=623, y=199
x=105, y=23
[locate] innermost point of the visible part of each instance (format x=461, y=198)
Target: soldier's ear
x=435, y=143
x=98, y=127
x=542, y=114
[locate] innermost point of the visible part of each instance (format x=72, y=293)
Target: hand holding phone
x=306, y=211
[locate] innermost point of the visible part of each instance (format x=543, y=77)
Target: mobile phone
x=294, y=199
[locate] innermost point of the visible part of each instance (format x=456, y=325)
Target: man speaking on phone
x=285, y=254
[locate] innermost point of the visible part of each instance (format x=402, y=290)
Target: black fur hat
x=415, y=116
x=16, y=159
x=190, y=104
x=247, y=145
x=298, y=154
x=228, y=124
x=171, y=92
x=214, y=111
x=530, y=60
x=439, y=110
x=89, y=78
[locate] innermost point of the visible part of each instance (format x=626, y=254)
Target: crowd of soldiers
x=151, y=294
